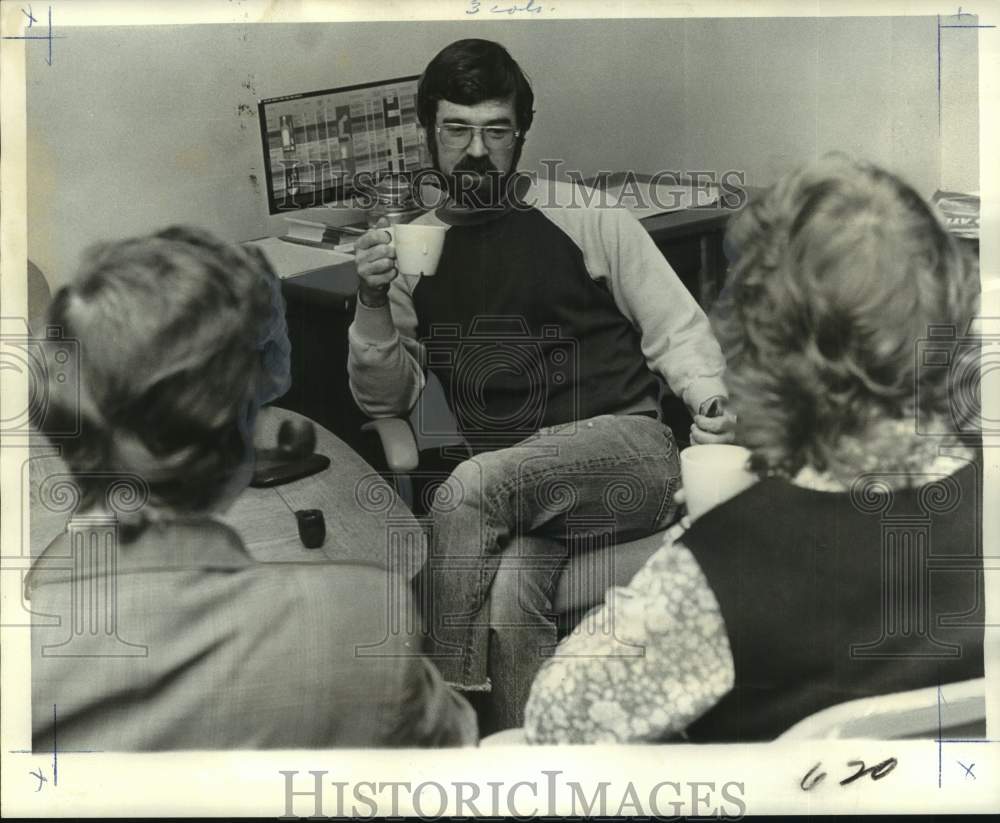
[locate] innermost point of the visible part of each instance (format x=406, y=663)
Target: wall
x=133, y=128
x=959, y=104
x=780, y=92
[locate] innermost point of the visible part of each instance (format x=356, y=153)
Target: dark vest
x=830, y=597
x=519, y=333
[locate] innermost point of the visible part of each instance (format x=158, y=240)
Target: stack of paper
x=959, y=211
x=306, y=230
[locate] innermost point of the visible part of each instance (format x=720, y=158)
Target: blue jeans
x=612, y=476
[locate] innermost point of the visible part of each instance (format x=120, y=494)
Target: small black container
x=312, y=527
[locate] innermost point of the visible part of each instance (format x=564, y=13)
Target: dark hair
x=167, y=329
x=473, y=71
x=841, y=269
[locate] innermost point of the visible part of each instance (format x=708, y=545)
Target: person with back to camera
x=770, y=607
x=180, y=338
x=548, y=444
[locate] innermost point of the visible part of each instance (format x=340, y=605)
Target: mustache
x=477, y=165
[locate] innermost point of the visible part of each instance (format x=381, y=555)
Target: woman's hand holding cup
x=680, y=500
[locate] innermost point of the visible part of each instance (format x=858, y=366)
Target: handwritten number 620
x=877, y=772
x=814, y=776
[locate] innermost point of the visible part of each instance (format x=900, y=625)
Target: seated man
x=191, y=643
x=854, y=567
x=552, y=326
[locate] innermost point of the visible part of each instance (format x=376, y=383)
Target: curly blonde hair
x=841, y=269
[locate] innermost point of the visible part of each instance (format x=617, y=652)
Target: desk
x=364, y=522
x=321, y=307
x=691, y=240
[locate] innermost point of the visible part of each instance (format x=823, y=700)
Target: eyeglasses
x=459, y=135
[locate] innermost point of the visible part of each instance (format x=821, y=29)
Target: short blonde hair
x=167, y=327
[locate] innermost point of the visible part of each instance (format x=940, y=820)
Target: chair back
x=39, y=295
x=432, y=420
x=952, y=711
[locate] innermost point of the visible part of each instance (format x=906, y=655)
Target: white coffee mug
x=418, y=247
x=712, y=473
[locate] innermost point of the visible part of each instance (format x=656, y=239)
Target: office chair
x=420, y=452
x=39, y=295
x=957, y=713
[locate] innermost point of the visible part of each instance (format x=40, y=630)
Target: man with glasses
x=552, y=327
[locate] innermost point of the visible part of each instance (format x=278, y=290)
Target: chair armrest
x=398, y=443
x=507, y=737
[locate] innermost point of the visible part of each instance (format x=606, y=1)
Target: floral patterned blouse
x=655, y=657
x=645, y=665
